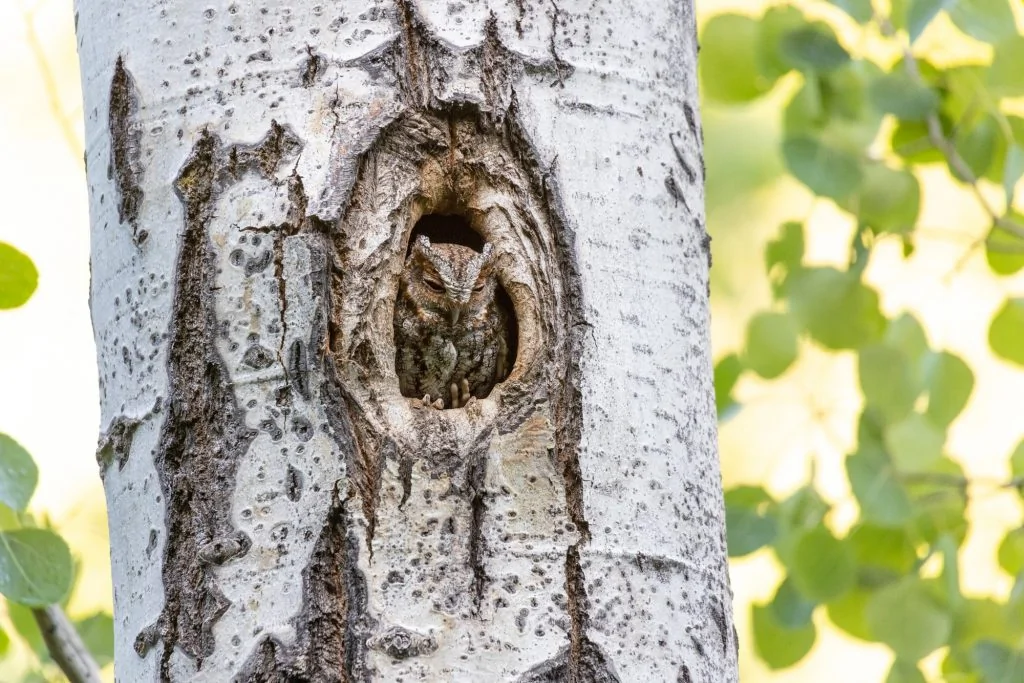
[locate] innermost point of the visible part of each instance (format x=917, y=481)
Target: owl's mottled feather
x=452, y=336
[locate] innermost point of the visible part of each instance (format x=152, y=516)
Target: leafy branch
x=942, y=143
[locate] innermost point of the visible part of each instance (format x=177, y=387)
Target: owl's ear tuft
x=487, y=253
x=422, y=243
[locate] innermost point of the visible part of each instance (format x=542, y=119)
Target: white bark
x=278, y=510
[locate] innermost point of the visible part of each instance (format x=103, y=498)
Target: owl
x=452, y=334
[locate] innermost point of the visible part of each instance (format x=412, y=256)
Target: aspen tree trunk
x=278, y=510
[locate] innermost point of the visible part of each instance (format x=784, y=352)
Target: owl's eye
x=479, y=287
x=434, y=285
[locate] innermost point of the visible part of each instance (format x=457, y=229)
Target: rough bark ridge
x=204, y=433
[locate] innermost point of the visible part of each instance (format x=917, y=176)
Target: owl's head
x=450, y=280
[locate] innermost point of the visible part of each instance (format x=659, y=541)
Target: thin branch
x=997, y=248
x=948, y=149
x=935, y=478
x=957, y=481
x=66, y=646
x=50, y=85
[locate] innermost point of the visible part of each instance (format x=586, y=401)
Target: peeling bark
x=286, y=514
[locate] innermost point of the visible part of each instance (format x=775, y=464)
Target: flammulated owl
x=452, y=334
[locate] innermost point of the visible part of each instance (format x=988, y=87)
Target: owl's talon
x=464, y=395
x=454, y=389
x=432, y=403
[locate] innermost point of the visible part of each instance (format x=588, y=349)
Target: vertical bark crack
x=204, y=434
x=125, y=148
x=416, y=76
x=333, y=627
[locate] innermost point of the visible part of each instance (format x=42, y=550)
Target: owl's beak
x=456, y=312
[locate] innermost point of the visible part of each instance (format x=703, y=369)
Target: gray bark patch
x=126, y=148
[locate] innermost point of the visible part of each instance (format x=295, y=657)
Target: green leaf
x=97, y=632
x=26, y=628
x=18, y=277
x=18, y=474
x=881, y=496
x=823, y=567
x=803, y=510
x=977, y=145
x=833, y=109
x=984, y=619
x=5, y=642
x=849, y=613
x=999, y=663
x=965, y=94
x=987, y=20
x=727, y=373
x=921, y=12
x=949, y=382
x=904, y=672
x=771, y=344
x=729, y=61
x=791, y=609
x=940, y=503
x=1011, y=552
x=749, y=522
x=904, y=97
x=835, y=307
x=1013, y=169
x=890, y=199
x=884, y=548
x=35, y=567
x=915, y=444
x=910, y=141
x=906, y=617
x=783, y=255
x=888, y=381
x=777, y=646
x=1004, y=251
x=1017, y=460
x=826, y=171
x=906, y=334
x=787, y=249
x=9, y=519
x=860, y=10
x=813, y=48
x=947, y=547
x=1006, y=334
x=776, y=22
x=1005, y=77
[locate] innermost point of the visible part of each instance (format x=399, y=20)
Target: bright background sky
x=48, y=384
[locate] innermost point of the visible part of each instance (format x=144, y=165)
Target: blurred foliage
x=36, y=566
x=857, y=132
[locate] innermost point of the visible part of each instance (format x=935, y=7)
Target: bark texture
x=278, y=510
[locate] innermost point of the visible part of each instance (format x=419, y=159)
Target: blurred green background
x=868, y=326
